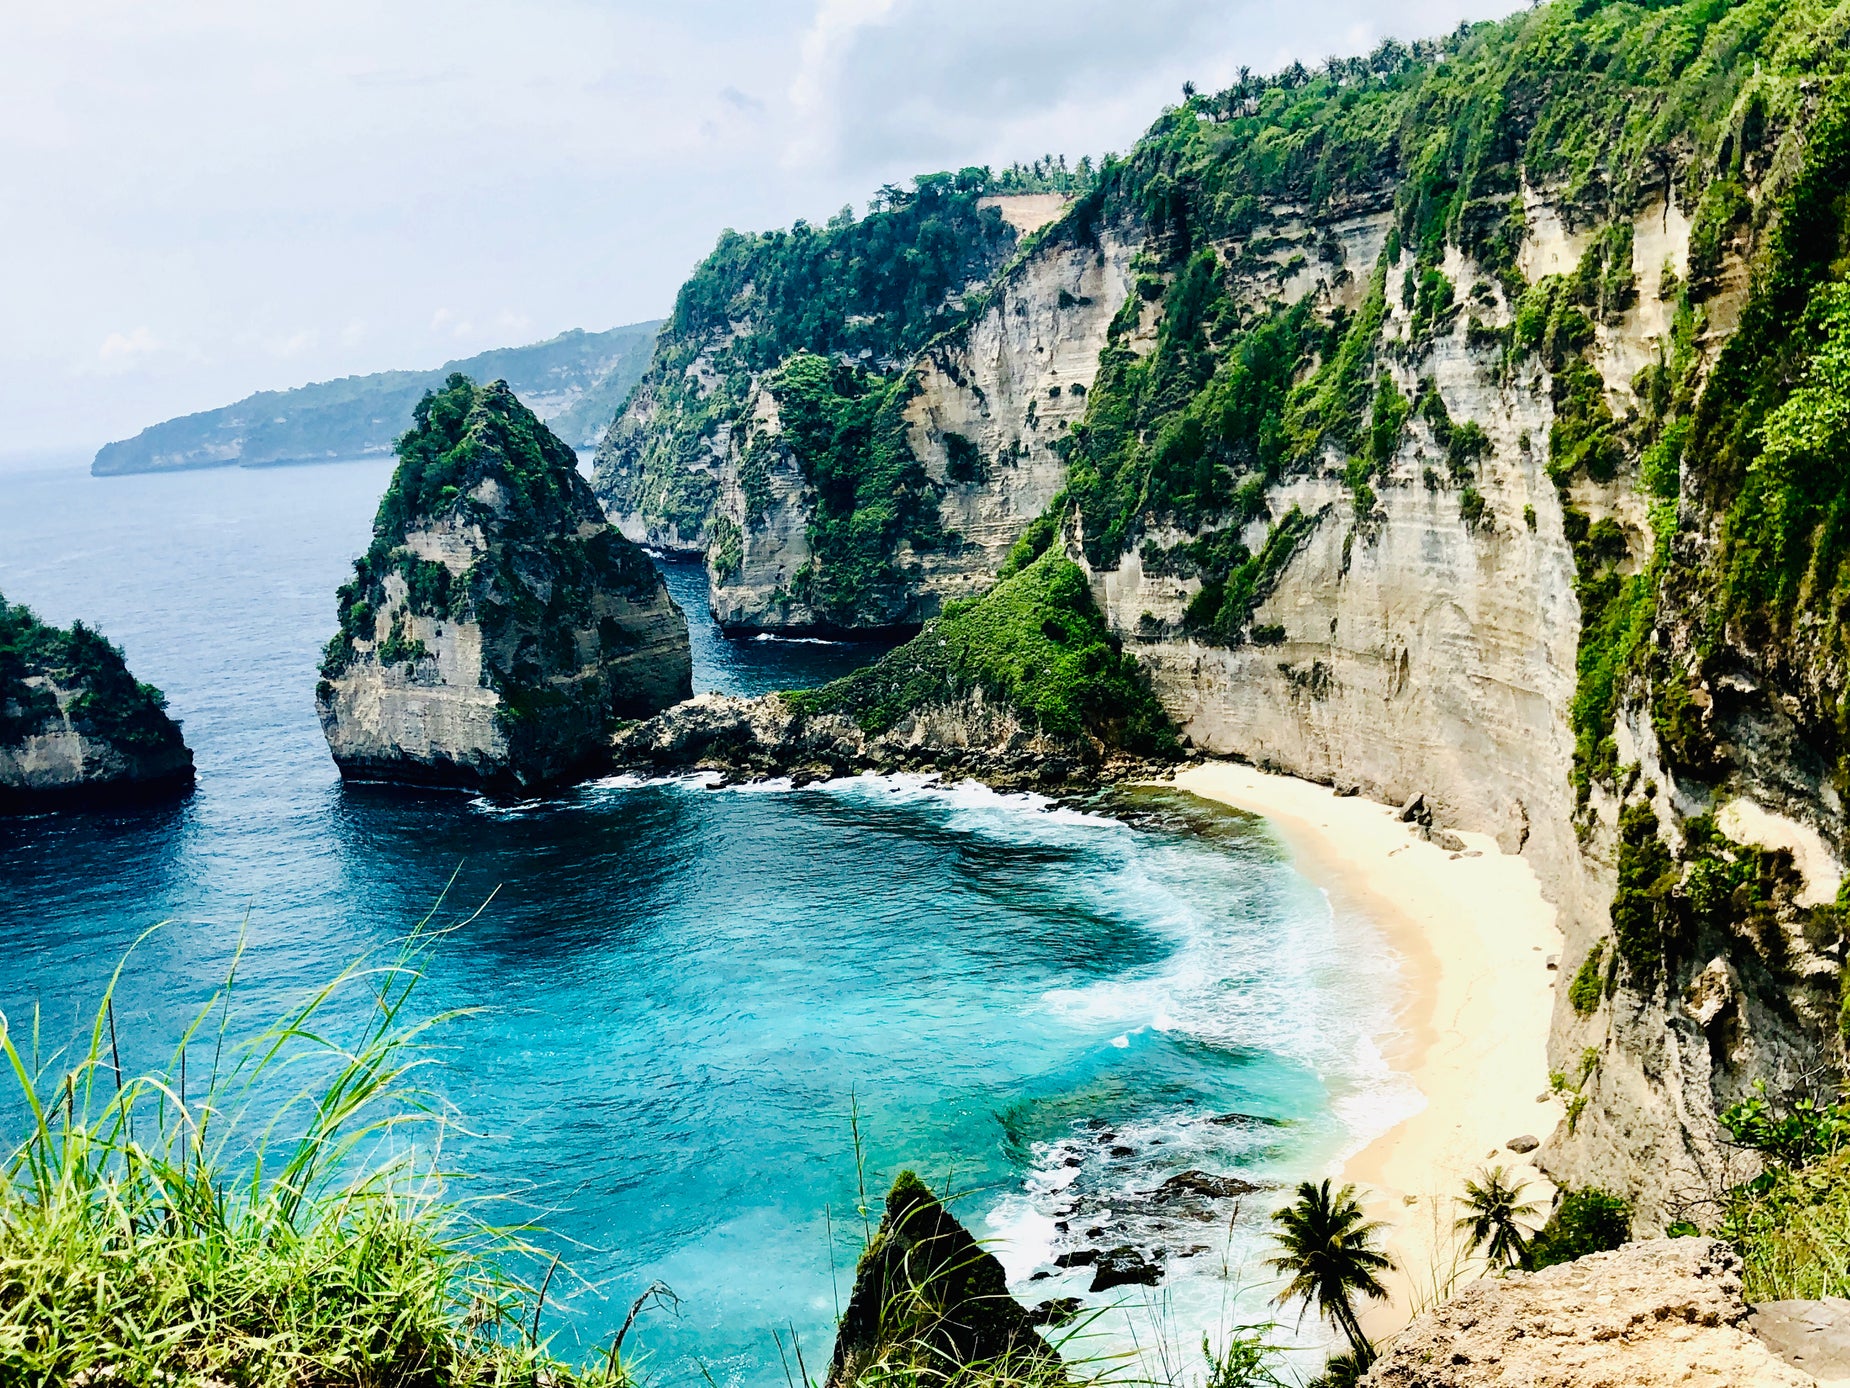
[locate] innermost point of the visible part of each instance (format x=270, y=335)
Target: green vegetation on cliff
x=110, y=703
x=869, y=290
x=1035, y=645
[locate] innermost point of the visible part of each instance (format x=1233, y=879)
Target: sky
x=211, y=197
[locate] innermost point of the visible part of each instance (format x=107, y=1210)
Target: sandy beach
x=1474, y=936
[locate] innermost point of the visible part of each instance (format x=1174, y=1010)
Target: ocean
x=710, y=1024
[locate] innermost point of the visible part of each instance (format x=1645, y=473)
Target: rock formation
x=928, y=1302
x=1023, y=687
x=498, y=628
x=1663, y=1312
x=76, y=728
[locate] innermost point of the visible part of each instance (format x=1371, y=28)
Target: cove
x=694, y=998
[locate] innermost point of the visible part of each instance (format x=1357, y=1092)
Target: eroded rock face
x=76, y=728
x=1668, y=1311
x=498, y=628
x=929, y=1301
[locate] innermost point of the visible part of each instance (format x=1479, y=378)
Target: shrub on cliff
x=1585, y=1221
x=1035, y=643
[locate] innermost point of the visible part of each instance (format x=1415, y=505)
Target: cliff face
x=498, y=627
x=788, y=431
x=76, y=728
x=978, y=415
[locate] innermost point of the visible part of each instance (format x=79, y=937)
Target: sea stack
x=498, y=628
x=76, y=728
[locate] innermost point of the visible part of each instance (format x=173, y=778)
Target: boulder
x=1125, y=1267
x=77, y=730
x=1666, y=1311
x=498, y=629
x=928, y=1302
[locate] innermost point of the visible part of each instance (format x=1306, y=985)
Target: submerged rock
x=1667, y=1311
x=498, y=629
x=1205, y=1184
x=76, y=728
x=928, y=1302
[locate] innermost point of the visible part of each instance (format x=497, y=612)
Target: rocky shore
x=775, y=736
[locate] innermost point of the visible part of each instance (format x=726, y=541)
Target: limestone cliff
x=498, y=627
x=791, y=431
x=76, y=728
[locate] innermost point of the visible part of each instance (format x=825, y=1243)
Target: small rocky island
x=497, y=629
x=76, y=728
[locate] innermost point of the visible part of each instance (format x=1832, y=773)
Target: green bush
x=1588, y=1220
x=1589, y=982
x=1034, y=643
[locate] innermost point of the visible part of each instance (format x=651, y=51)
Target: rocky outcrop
x=1022, y=687
x=1663, y=1312
x=930, y=1303
x=498, y=628
x=774, y=736
x=77, y=729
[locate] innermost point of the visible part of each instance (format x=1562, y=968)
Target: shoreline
x=1473, y=935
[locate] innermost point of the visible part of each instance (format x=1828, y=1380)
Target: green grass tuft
x=274, y=1224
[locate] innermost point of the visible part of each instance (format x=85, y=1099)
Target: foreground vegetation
x=263, y=1221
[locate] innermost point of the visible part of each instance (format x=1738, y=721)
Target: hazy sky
x=206, y=198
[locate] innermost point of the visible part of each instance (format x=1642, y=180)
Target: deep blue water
x=685, y=990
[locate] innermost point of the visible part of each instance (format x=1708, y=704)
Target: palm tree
x=1494, y=1205
x=1326, y=1247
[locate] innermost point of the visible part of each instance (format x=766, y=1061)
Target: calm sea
x=690, y=998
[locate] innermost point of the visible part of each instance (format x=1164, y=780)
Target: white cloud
x=122, y=351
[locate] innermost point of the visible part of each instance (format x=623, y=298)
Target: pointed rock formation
x=76, y=728
x=928, y=1301
x=498, y=628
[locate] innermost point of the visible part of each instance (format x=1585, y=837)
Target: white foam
x=798, y=640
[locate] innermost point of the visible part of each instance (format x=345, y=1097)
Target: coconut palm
x=1327, y=1249
x=1493, y=1205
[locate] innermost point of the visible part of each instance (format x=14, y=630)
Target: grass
x=277, y=1221
x=1035, y=643
x=1792, y=1228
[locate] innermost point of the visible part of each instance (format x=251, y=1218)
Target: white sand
x=1474, y=936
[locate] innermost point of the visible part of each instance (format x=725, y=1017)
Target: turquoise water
x=687, y=989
